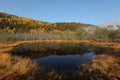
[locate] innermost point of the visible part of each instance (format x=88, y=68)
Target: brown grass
x=108, y=65
x=13, y=66
x=102, y=61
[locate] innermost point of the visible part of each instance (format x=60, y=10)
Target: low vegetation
x=14, y=67
x=103, y=66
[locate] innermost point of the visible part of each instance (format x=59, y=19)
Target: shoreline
x=100, y=62
x=113, y=45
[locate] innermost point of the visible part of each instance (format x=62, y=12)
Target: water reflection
x=59, y=56
x=64, y=62
x=37, y=50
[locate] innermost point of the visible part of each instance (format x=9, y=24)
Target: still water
x=57, y=56
x=64, y=62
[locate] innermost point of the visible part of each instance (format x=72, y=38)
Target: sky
x=82, y=11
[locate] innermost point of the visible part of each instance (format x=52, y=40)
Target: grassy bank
x=13, y=67
x=102, y=67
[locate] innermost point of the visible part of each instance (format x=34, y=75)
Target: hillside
x=25, y=24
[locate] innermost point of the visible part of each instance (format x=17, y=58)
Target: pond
x=64, y=62
x=57, y=56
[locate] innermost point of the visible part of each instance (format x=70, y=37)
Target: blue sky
x=84, y=11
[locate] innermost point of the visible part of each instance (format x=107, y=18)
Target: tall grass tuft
x=13, y=66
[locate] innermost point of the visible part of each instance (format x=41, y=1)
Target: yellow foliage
x=32, y=31
x=7, y=29
x=56, y=31
x=41, y=30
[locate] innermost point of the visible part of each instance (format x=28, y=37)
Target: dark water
x=58, y=56
x=64, y=62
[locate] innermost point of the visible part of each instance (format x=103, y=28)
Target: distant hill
x=25, y=24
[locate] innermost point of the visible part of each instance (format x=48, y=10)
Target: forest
x=14, y=28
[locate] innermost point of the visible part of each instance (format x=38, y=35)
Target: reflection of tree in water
x=44, y=49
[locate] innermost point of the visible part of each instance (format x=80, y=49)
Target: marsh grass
x=102, y=67
x=17, y=68
x=12, y=67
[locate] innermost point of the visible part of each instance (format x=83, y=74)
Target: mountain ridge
x=13, y=21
